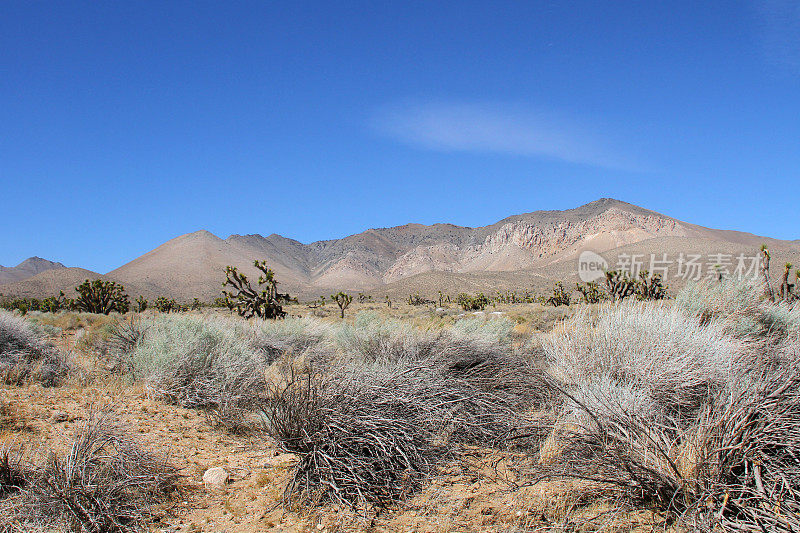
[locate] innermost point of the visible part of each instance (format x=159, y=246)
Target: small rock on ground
x=216, y=478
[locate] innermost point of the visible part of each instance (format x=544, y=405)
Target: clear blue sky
x=124, y=124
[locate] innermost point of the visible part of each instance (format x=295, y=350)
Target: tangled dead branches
x=105, y=484
x=369, y=433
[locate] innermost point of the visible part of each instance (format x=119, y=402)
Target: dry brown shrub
x=105, y=484
x=369, y=433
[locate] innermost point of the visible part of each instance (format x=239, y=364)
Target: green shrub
x=22, y=305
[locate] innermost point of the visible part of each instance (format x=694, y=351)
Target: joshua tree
x=591, y=292
x=464, y=300
x=560, y=296
x=786, y=287
x=166, y=305
x=796, y=284
x=765, y=257
x=100, y=296
x=619, y=285
x=53, y=304
x=342, y=299
x=416, y=299
x=650, y=287
x=141, y=304
x=249, y=302
x=720, y=272
x=472, y=303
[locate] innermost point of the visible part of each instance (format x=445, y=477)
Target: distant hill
x=527, y=250
x=28, y=268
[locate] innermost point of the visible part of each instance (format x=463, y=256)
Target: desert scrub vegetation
x=216, y=364
x=681, y=409
x=26, y=355
x=686, y=409
x=654, y=348
x=370, y=407
x=71, y=320
x=472, y=303
x=372, y=423
x=10, y=419
x=105, y=483
x=741, y=307
x=213, y=364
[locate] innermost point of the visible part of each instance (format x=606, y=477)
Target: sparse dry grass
x=12, y=419
x=70, y=321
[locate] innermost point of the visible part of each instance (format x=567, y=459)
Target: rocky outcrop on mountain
x=523, y=244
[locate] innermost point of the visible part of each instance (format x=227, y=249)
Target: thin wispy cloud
x=498, y=128
x=779, y=26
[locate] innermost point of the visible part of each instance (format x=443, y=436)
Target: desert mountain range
x=522, y=251
x=27, y=269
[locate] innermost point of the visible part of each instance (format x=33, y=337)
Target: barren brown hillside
x=528, y=251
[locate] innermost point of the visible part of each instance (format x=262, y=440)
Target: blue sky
x=124, y=124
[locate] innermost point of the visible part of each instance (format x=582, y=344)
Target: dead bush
x=369, y=432
x=105, y=484
x=12, y=418
x=13, y=475
x=355, y=448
